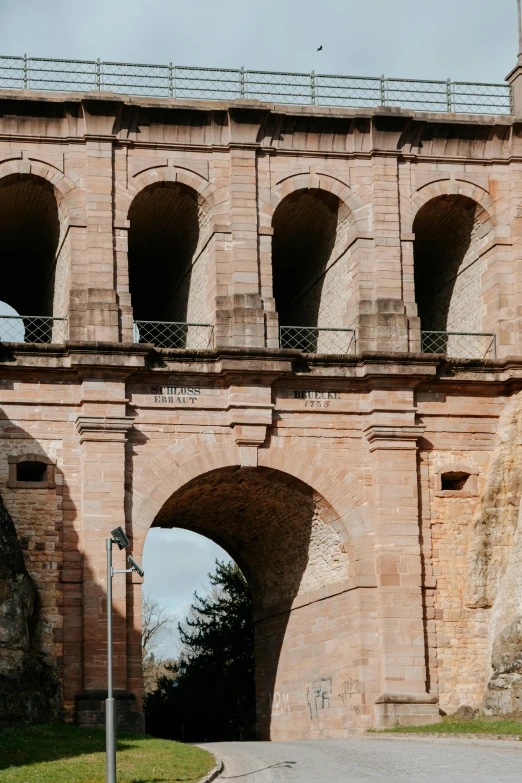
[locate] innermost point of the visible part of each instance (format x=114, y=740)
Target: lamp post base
x=90, y=710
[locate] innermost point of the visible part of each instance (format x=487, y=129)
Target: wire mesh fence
x=170, y=334
x=460, y=345
x=170, y=81
x=32, y=329
x=311, y=339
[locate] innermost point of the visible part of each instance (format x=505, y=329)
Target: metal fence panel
x=311, y=339
x=460, y=345
x=130, y=79
x=12, y=73
x=353, y=91
x=169, y=334
x=32, y=329
x=416, y=95
x=481, y=98
x=62, y=75
x=37, y=73
x=207, y=83
x=289, y=88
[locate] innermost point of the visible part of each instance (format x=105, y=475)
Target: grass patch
x=451, y=725
x=56, y=753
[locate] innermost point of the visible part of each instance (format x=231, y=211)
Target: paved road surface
x=395, y=761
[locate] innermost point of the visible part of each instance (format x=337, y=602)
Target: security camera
x=135, y=567
x=119, y=537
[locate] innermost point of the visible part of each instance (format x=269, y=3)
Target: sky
x=176, y=563
x=466, y=40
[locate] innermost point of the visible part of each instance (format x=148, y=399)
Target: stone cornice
x=393, y=436
x=126, y=361
x=103, y=428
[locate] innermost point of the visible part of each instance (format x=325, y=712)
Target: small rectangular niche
x=457, y=481
x=31, y=471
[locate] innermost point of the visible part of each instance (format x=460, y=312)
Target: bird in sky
x=320, y=49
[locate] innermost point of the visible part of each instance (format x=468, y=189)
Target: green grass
x=56, y=753
x=455, y=726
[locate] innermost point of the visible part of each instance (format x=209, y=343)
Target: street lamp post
x=119, y=538
x=182, y=668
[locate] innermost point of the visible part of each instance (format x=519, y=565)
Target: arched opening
x=198, y=641
x=450, y=232
x=168, y=264
x=280, y=532
x=309, y=269
x=33, y=280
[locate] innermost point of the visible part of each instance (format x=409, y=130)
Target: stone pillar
x=392, y=435
x=240, y=319
x=102, y=429
x=93, y=306
x=382, y=323
x=514, y=79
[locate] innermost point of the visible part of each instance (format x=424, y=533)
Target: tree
x=215, y=698
x=154, y=619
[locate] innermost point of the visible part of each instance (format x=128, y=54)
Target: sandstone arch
x=296, y=549
x=270, y=199
x=157, y=480
x=207, y=192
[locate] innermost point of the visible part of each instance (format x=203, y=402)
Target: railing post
x=242, y=83
x=171, y=86
x=98, y=74
x=312, y=88
x=26, y=79
x=449, y=96
x=383, y=90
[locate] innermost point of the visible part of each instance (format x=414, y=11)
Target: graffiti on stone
x=319, y=696
x=349, y=688
x=280, y=704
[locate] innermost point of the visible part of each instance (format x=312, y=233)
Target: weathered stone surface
x=321, y=475
x=28, y=685
x=504, y=694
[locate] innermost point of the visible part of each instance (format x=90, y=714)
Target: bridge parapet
x=301, y=89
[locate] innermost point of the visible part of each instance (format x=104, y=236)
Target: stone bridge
x=297, y=331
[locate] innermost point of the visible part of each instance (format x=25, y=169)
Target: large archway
x=309, y=269
x=168, y=263
x=450, y=231
x=33, y=280
x=279, y=531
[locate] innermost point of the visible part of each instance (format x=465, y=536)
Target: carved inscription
x=316, y=399
x=181, y=395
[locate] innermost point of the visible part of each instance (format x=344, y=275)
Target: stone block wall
x=374, y=602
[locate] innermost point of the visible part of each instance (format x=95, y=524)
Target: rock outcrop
x=504, y=694
x=495, y=563
x=28, y=684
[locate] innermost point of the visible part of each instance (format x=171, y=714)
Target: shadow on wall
x=448, y=233
x=43, y=585
x=30, y=230
x=163, y=237
x=305, y=231
x=277, y=530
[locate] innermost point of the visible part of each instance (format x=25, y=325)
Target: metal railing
x=313, y=339
x=460, y=345
x=169, y=81
x=171, y=334
x=32, y=329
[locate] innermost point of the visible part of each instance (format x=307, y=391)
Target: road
x=396, y=761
